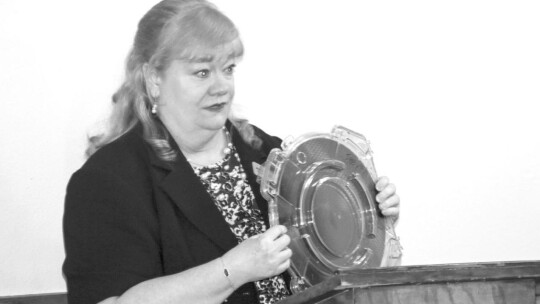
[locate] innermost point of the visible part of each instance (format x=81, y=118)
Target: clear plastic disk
x=322, y=188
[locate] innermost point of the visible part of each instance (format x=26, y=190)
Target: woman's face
x=197, y=94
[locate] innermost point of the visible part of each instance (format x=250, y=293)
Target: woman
x=167, y=209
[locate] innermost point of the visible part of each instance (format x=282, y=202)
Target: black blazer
x=130, y=217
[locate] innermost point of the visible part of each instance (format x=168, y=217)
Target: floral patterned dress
x=226, y=182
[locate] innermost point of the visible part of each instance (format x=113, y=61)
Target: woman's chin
x=216, y=121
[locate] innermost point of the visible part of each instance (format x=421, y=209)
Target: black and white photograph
x=213, y=151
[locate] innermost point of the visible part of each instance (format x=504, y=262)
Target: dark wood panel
x=426, y=278
x=494, y=292
x=441, y=273
x=51, y=298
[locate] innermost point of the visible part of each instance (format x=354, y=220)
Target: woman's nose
x=221, y=85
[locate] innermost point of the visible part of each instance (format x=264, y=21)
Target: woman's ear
x=152, y=81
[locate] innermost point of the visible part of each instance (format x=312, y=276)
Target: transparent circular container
x=322, y=188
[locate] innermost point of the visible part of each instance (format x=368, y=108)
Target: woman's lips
x=216, y=107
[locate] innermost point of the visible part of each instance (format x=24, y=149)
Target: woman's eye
x=230, y=69
x=202, y=73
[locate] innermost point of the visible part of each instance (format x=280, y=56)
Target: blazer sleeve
x=269, y=142
x=110, y=236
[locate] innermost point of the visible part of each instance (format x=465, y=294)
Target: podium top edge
x=421, y=274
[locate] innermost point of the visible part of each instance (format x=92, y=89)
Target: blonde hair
x=172, y=29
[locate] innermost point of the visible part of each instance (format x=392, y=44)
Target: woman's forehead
x=204, y=53
x=208, y=58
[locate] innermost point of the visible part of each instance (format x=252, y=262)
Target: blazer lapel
x=184, y=188
x=187, y=192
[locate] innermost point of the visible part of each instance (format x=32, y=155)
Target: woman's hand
x=387, y=198
x=259, y=257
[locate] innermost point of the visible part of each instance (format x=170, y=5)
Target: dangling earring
x=154, y=92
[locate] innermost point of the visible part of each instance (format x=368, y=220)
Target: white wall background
x=447, y=92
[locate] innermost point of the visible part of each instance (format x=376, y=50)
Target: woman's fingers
x=390, y=207
x=285, y=254
x=275, y=239
x=272, y=256
x=387, y=198
x=388, y=191
x=274, y=232
x=261, y=256
x=282, y=242
x=284, y=266
x=381, y=183
x=390, y=212
x=390, y=202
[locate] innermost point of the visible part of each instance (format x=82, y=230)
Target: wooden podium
x=497, y=283
x=500, y=283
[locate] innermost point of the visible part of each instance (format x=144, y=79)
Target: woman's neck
x=202, y=147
